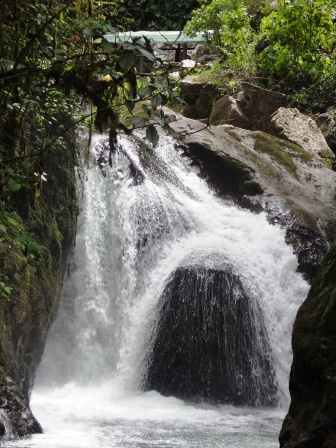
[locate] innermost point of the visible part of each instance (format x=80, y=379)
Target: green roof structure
x=171, y=37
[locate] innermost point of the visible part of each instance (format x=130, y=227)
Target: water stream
x=140, y=221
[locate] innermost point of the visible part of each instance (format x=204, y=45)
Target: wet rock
x=211, y=343
x=26, y=318
x=16, y=418
x=311, y=419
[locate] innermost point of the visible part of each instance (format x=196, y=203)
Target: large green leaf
x=152, y=134
x=127, y=61
x=139, y=122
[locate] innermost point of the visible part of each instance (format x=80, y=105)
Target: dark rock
x=259, y=104
x=16, y=418
x=190, y=89
x=223, y=172
x=327, y=125
x=211, y=343
x=205, y=100
x=311, y=419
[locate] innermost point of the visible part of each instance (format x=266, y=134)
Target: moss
x=37, y=282
x=276, y=150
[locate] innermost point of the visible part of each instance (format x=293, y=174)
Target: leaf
x=147, y=54
x=152, y=134
x=145, y=91
x=156, y=101
x=130, y=105
x=107, y=46
x=3, y=228
x=158, y=119
x=126, y=61
x=139, y=122
x=13, y=222
x=170, y=130
x=13, y=185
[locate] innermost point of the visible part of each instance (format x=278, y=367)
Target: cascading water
x=171, y=289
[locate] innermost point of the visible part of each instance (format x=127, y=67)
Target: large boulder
x=292, y=125
x=211, y=343
x=227, y=111
x=311, y=419
x=250, y=109
x=191, y=88
x=198, y=96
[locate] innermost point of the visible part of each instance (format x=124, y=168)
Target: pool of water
x=78, y=417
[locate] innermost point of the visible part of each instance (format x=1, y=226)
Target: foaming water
x=75, y=417
x=141, y=220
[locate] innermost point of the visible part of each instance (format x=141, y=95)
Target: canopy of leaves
x=290, y=44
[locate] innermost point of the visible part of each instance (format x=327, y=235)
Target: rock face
x=16, y=417
x=297, y=128
x=25, y=319
x=211, y=341
x=262, y=172
x=250, y=109
x=199, y=96
x=311, y=419
x=327, y=125
x=227, y=111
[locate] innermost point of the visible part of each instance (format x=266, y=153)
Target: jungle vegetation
x=285, y=45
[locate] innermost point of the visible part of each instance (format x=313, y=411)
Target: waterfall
x=172, y=289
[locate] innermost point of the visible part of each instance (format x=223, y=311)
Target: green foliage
x=5, y=290
x=300, y=36
x=158, y=14
x=227, y=26
x=12, y=233
x=292, y=47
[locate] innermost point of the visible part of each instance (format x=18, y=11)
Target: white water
x=130, y=239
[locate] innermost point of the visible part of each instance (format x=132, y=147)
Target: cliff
x=36, y=279
x=311, y=420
